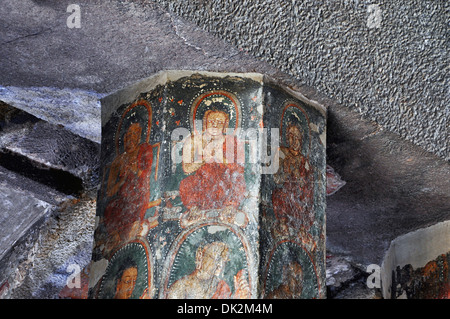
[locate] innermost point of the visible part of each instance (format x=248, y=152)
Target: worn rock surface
x=48, y=179
x=64, y=248
x=392, y=187
x=47, y=152
x=347, y=280
x=78, y=111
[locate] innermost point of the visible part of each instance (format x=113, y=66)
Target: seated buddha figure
x=216, y=180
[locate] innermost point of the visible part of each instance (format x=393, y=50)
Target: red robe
x=293, y=202
x=215, y=185
x=130, y=203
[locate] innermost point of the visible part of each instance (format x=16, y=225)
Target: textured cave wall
x=392, y=67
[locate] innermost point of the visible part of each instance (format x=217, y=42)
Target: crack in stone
x=27, y=36
x=177, y=23
x=175, y=26
x=378, y=130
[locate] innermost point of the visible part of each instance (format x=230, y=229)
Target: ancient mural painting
x=126, y=204
x=213, y=193
x=127, y=275
x=293, y=204
x=179, y=210
x=429, y=282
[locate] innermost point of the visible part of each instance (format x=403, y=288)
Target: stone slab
x=21, y=210
x=78, y=111
x=51, y=154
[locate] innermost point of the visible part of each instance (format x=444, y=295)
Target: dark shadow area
x=58, y=179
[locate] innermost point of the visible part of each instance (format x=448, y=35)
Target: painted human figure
x=126, y=281
x=128, y=187
x=291, y=286
x=292, y=203
x=214, y=161
x=205, y=281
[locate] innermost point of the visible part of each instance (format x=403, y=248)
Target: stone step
x=46, y=152
x=21, y=209
x=46, y=172
x=25, y=206
x=347, y=280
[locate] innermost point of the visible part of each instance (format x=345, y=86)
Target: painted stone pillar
x=213, y=186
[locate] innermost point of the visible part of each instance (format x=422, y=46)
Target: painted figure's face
x=213, y=263
x=125, y=285
x=294, y=137
x=215, y=123
x=132, y=137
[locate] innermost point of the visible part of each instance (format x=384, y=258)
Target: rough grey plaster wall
x=393, y=70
